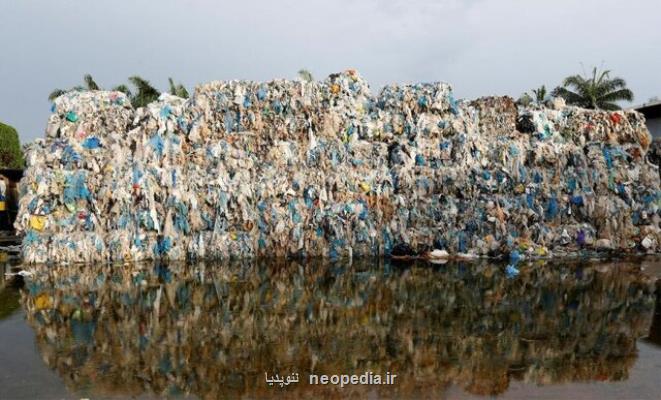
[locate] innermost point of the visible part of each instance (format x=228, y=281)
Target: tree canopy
x=540, y=93
x=143, y=94
x=11, y=155
x=305, y=75
x=89, y=84
x=177, y=89
x=598, y=91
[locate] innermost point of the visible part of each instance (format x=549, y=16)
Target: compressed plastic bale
x=292, y=168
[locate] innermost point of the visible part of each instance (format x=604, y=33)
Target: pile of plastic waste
x=655, y=152
x=295, y=168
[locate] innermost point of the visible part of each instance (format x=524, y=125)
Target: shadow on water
x=9, y=289
x=655, y=330
x=214, y=330
x=9, y=301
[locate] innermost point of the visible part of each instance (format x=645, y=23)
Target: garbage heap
x=295, y=168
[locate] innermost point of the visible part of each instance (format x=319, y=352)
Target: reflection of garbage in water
x=293, y=168
x=213, y=330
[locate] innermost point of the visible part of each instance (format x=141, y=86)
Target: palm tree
x=178, y=89
x=305, y=75
x=90, y=84
x=145, y=92
x=56, y=93
x=124, y=89
x=600, y=91
x=540, y=93
x=11, y=155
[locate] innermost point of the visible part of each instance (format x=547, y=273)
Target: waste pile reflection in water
x=213, y=330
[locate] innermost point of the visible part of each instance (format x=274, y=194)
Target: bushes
x=11, y=155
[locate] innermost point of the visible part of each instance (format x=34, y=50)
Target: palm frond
x=570, y=97
x=90, y=83
x=612, y=85
x=618, y=95
x=609, y=106
x=122, y=88
x=145, y=94
x=573, y=80
x=173, y=87
x=603, y=76
x=182, y=91
x=580, y=85
x=55, y=94
x=177, y=89
x=305, y=75
x=554, y=92
x=540, y=93
x=143, y=84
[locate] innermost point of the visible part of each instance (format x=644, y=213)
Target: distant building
x=652, y=112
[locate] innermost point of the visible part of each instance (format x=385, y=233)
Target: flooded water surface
x=267, y=329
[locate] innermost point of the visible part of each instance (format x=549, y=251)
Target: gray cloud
x=482, y=47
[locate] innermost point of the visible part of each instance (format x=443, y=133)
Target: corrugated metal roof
x=651, y=110
x=653, y=103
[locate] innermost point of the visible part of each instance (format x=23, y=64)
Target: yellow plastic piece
x=38, y=222
x=43, y=301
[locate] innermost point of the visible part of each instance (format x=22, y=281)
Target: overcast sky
x=482, y=47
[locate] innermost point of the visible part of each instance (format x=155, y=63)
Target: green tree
x=145, y=92
x=525, y=100
x=89, y=84
x=124, y=89
x=11, y=155
x=539, y=93
x=599, y=91
x=177, y=89
x=305, y=75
